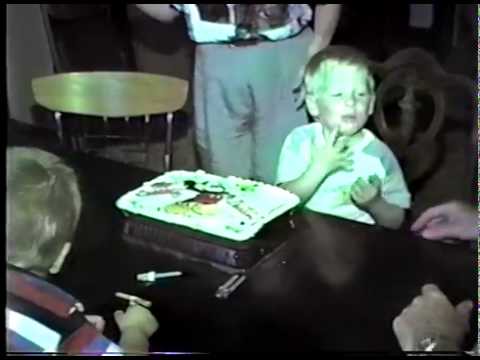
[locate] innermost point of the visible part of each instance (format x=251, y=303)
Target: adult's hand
x=324, y=26
x=299, y=88
x=431, y=315
x=450, y=220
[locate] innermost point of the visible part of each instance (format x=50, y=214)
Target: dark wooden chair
x=414, y=90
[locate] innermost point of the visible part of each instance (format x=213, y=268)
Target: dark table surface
x=334, y=285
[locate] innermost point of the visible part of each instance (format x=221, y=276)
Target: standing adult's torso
x=225, y=23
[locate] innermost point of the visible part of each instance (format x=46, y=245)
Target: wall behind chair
x=28, y=56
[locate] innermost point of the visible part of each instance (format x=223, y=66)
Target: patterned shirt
x=370, y=157
x=39, y=319
x=217, y=23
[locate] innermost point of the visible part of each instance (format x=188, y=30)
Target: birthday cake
x=229, y=207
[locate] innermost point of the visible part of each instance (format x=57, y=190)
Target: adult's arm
x=161, y=12
x=325, y=24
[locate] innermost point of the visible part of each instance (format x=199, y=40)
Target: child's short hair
x=342, y=54
x=43, y=207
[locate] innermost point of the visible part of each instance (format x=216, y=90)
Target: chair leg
x=81, y=137
x=74, y=139
x=58, y=120
x=106, y=129
x=168, y=143
x=146, y=137
x=75, y=143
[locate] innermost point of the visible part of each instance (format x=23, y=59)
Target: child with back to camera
x=43, y=210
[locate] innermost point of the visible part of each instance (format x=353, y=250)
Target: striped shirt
x=39, y=320
x=217, y=23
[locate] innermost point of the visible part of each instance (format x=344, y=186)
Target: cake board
x=184, y=243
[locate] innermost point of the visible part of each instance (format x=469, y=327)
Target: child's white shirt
x=370, y=157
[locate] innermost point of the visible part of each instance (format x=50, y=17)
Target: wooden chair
x=106, y=95
x=408, y=81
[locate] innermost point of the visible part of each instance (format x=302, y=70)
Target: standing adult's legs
x=223, y=111
x=276, y=112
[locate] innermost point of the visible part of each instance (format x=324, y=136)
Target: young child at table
x=43, y=210
x=335, y=165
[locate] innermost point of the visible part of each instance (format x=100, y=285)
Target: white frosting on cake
x=230, y=207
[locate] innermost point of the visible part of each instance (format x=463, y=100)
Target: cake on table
x=229, y=207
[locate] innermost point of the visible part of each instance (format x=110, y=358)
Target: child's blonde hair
x=341, y=54
x=43, y=207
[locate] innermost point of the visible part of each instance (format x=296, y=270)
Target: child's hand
x=333, y=155
x=136, y=318
x=365, y=193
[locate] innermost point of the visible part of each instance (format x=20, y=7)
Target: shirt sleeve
x=294, y=156
x=394, y=190
x=87, y=340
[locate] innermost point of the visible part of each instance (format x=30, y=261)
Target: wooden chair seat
x=112, y=94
